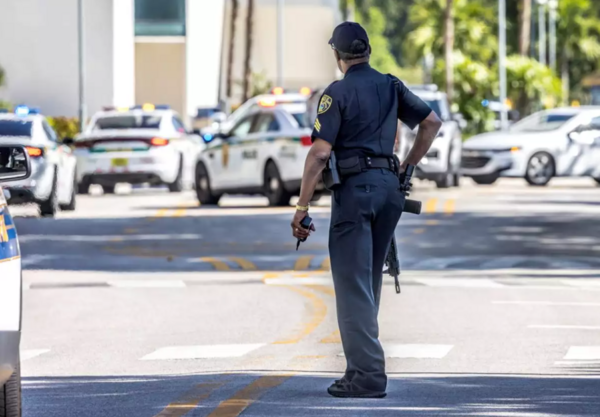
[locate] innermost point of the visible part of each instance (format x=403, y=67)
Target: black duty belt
x=357, y=164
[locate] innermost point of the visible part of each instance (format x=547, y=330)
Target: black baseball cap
x=346, y=33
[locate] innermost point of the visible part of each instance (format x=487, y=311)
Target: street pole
x=280, y=35
x=553, y=5
x=542, y=30
x=502, y=63
x=81, y=57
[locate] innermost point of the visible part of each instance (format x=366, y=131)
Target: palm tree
x=524, y=26
x=247, y=67
x=578, y=40
x=449, y=47
x=232, y=29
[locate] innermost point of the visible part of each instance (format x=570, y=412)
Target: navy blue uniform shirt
x=359, y=114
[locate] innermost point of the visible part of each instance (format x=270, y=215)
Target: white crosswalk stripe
x=583, y=353
x=28, y=354
x=202, y=352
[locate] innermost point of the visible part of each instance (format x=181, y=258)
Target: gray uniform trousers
x=365, y=211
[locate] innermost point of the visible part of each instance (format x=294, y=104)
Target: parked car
x=14, y=166
x=264, y=153
x=561, y=142
x=442, y=162
x=52, y=184
x=142, y=144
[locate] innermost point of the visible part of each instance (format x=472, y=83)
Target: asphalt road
x=145, y=304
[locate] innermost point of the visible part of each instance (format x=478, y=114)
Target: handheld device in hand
x=305, y=224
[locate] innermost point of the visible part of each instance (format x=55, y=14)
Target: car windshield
x=128, y=122
x=15, y=128
x=542, y=122
x=301, y=119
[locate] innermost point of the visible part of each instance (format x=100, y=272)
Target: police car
x=52, y=182
x=562, y=142
x=278, y=97
x=263, y=153
x=14, y=166
x=141, y=144
x=442, y=163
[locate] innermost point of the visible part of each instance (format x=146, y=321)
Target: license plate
x=120, y=162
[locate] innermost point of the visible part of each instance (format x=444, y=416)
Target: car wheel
x=71, y=205
x=50, y=207
x=84, y=186
x=485, y=179
x=447, y=179
x=10, y=396
x=540, y=169
x=273, y=186
x=108, y=189
x=203, y=191
x=177, y=185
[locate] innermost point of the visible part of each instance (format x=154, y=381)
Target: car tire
x=177, y=185
x=108, y=189
x=540, y=175
x=10, y=396
x=72, y=204
x=203, y=192
x=83, y=187
x=273, y=187
x=49, y=207
x=486, y=179
x=450, y=177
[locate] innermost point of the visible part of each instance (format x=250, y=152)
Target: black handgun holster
x=331, y=175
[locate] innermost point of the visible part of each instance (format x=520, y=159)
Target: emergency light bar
x=144, y=107
x=23, y=111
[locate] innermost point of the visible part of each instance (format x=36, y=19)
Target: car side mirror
x=68, y=141
x=14, y=163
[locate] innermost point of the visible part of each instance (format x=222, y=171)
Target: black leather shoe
x=346, y=389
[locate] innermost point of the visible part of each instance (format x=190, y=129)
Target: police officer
x=358, y=120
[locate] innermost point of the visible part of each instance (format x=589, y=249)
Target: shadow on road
x=301, y=395
x=462, y=241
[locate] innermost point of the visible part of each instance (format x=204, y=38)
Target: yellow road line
x=419, y=231
x=244, y=263
x=303, y=262
x=334, y=337
x=432, y=222
x=160, y=213
x=430, y=205
x=216, y=263
x=130, y=230
x=326, y=264
x=321, y=288
x=189, y=401
x=235, y=405
x=14, y=258
x=180, y=212
x=318, y=312
x=449, y=207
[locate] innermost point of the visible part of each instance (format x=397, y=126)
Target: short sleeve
x=329, y=117
x=411, y=109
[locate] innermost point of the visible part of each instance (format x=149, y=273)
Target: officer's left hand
x=297, y=230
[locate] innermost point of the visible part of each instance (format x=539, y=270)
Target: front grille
x=474, y=161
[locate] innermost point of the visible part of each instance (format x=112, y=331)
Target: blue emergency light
x=22, y=110
x=208, y=137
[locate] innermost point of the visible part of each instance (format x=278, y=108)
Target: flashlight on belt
x=306, y=223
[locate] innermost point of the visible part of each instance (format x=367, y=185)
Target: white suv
x=442, y=162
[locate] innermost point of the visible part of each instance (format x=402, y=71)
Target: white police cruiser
x=14, y=166
x=562, y=142
x=263, y=153
x=141, y=144
x=52, y=181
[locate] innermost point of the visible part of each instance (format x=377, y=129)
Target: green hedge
x=65, y=127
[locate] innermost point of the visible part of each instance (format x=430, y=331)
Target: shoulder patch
x=325, y=103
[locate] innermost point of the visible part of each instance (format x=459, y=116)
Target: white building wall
x=123, y=51
x=204, y=21
x=38, y=50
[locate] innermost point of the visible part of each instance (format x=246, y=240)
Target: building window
x=160, y=17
